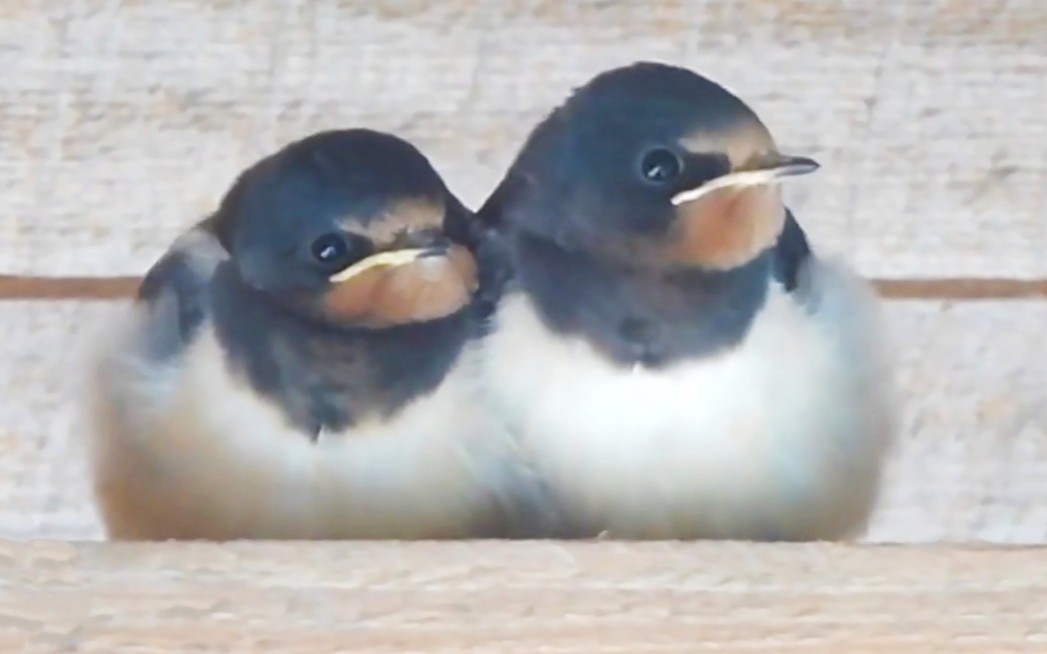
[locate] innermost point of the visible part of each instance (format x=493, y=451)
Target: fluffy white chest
x=778, y=437
x=188, y=449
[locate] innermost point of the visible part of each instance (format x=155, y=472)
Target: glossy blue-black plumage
x=277, y=207
x=573, y=206
x=255, y=293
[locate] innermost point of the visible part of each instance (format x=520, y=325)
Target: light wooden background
x=123, y=121
x=523, y=598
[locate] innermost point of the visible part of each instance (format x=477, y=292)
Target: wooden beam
x=522, y=597
x=18, y=287
x=104, y=288
x=928, y=121
x=961, y=289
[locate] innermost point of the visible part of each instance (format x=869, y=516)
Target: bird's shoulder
x=483, y=233
x=791, y=253
x=173, y=299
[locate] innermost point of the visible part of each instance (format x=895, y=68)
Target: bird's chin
x=428, y=288
x=726, y=228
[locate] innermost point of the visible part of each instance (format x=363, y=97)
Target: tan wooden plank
x=104, y=288
x=972, y=460
x=971, y=465
x=124, y=122
x=523, y=597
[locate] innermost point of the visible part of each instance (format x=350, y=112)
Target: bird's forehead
x=396, y=217
x=742, y=142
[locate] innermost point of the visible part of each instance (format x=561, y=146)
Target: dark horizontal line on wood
x=962, y=288
x=16, y=287
x=104, y=288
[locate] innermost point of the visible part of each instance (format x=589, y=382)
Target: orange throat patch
x=727, y=228
x=428, y=288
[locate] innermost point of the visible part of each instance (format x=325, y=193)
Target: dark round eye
x=660, y=166
x=331, y=249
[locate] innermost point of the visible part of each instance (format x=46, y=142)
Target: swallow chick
x=290, y=368
x=670, y=354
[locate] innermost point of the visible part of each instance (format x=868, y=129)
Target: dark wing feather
x=174, y=295
x=790, y=253
x=490, y=246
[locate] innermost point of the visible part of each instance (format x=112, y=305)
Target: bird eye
x=331, y=250
x=660, y=165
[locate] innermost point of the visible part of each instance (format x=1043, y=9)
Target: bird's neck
x=636, y=315
x=323, y=376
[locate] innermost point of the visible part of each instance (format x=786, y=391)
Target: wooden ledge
x=14, y=287
x=521, y=597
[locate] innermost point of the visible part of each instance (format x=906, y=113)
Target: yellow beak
x=389, y=259
x=783, y=167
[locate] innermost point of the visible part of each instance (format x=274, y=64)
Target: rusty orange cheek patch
x=426, y=289
x=726, y=228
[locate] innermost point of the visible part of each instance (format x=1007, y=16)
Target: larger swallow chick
x=292, y=366
x=670, y=353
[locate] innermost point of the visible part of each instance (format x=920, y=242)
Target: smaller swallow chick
x=290, y=367
x=670, y=354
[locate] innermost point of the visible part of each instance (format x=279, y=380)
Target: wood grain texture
x=107, y=288
x=124, y=122
x=522, y=597
x=972, y=463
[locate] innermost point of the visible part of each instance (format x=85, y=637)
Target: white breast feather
x=187, y=449
x=781, y=437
